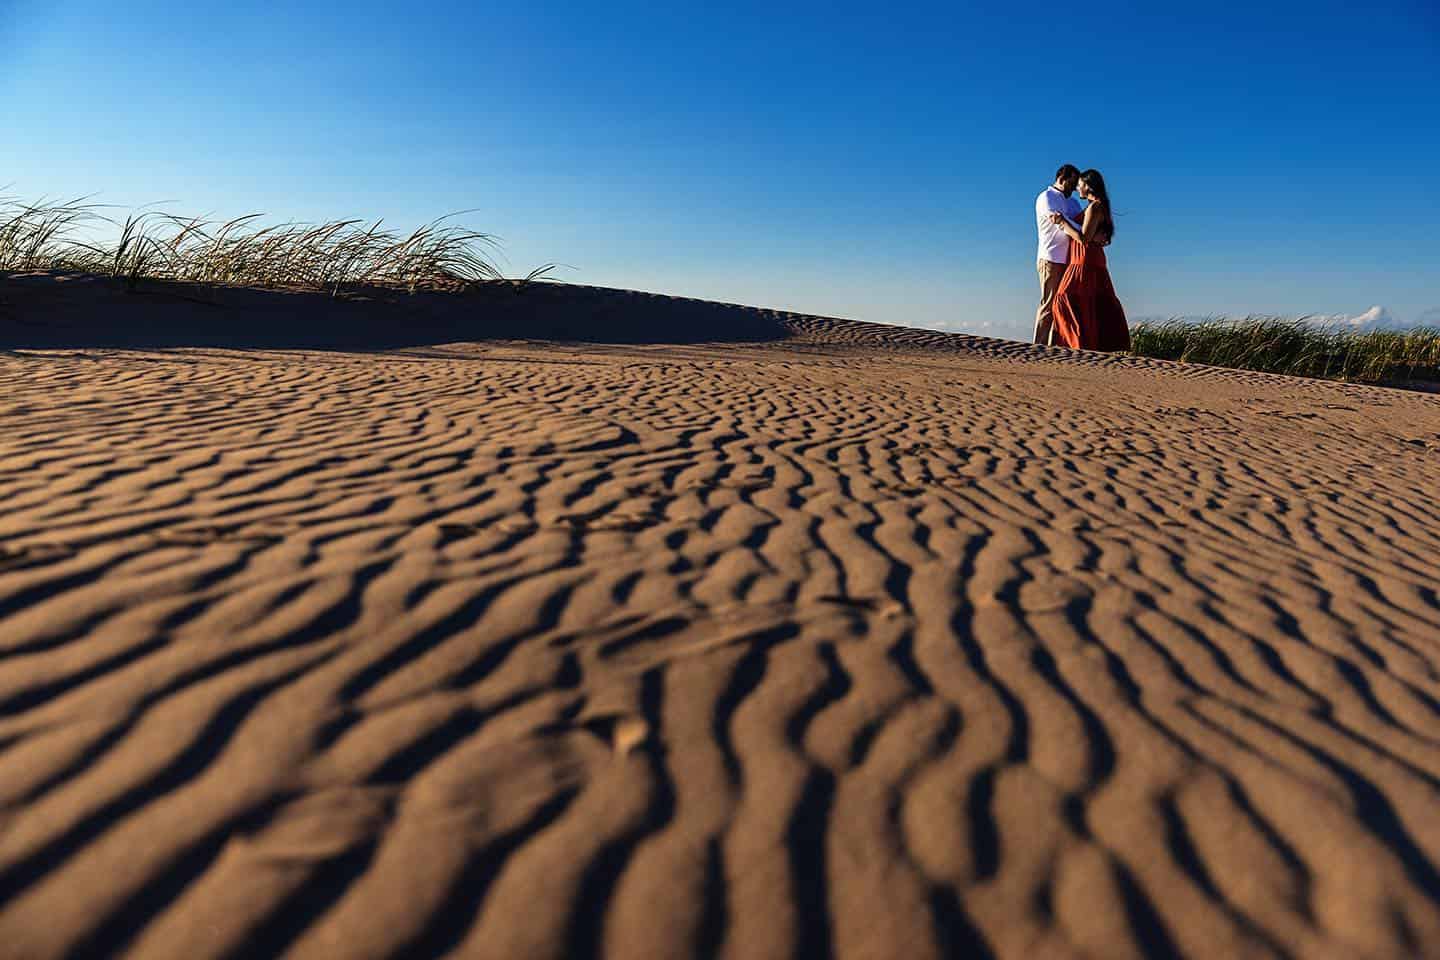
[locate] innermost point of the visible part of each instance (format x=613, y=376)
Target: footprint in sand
x=746, y=483
x=32, y=554
x=204, y=535
x=1048, y=595
x=196, y=536
x=622, y=521
x=269, y=530
x=451, y=532
x=884, y=606
x=520, y=525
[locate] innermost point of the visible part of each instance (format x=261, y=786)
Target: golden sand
x=332, y=628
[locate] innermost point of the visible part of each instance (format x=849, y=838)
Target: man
x=1054, y=251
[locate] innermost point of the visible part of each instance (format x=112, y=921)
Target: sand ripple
x=868, y=642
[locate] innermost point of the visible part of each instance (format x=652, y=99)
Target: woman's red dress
x=1088, y=315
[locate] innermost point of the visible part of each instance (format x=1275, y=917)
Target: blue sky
x=861, y=160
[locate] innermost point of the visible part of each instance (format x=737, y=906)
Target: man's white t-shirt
x=1054, y=245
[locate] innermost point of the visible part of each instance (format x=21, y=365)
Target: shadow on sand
x=50, y=311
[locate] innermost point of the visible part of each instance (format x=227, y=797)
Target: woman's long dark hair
x=1096, y=185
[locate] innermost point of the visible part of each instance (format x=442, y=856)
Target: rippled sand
x=834, y=638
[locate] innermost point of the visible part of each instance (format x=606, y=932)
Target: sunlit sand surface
x=329, y=628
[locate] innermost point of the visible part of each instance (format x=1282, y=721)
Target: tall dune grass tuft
x=155, y=245
x=1297, y=347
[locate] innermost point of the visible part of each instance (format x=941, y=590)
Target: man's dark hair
x=1067, y=172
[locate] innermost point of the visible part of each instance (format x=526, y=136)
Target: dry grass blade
x=34, y=236
x=243, y=252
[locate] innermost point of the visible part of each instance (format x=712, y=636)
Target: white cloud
x=1379, y=318
x=1376, y=318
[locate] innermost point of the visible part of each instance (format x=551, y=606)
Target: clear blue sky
x=863, y=160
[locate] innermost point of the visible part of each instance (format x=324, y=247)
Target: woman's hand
x=1057, y=218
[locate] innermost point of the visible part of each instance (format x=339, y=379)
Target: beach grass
x=1298, y=347
x=149, y=244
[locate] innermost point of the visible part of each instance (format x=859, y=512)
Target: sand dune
x=772, y=636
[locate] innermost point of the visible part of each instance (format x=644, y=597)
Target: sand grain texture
x=845, y=640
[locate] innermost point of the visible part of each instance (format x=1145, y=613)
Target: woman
x=1088, y=315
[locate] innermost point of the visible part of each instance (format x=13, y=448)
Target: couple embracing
x=1078, y=306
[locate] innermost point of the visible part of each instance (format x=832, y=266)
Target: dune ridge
x=832, y=639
